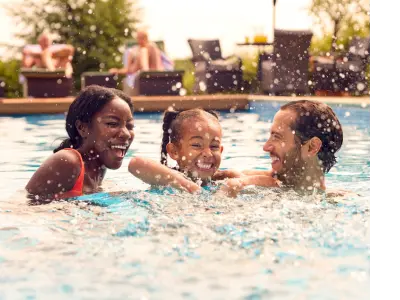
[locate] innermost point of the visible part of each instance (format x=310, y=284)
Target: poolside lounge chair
x=148, y=83
x=41, y=83
x=158, y=83
x=213, y=73
x=105, y=79
x=285, y=71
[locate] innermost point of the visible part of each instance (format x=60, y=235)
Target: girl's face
x=109, y=134
x=198, y=152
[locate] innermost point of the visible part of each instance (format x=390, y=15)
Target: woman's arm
x=154, y=173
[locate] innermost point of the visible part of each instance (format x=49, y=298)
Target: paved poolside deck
x=22, y=106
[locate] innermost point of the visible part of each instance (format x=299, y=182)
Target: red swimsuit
x=77, y=190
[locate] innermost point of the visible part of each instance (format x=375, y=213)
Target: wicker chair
x=213, y=73
x=285, y=71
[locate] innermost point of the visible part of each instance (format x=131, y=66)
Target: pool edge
x=22, y=106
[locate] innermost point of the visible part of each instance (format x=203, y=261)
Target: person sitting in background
x=146, y=56
x=48, y=56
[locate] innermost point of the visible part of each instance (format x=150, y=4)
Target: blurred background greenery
x=99, y=30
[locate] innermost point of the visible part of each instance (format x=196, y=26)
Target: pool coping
x=22, y=106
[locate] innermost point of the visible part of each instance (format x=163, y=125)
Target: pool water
x=163, y=244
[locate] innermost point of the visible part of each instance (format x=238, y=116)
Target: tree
x=343, y=18
x=96, y=28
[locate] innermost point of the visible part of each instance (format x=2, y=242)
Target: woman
x=100, y=128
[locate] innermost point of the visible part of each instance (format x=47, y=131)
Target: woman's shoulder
x=57, y=172
x=65, y=158
x=63, y=163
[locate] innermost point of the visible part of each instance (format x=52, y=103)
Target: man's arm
x=223, y=174
x=257, y=172
x=47, y=60
x=235, y=185
x=63, y=51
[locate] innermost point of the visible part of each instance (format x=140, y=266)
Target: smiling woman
x=100, y=128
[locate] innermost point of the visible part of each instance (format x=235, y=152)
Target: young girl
x=100, y=128
x=193, y=139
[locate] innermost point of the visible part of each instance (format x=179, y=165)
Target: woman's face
x=110, y=133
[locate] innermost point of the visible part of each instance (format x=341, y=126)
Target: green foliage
x=341, y=20
x=188, y=78
x=322, y=45
x=249, y=65
x=9, y=71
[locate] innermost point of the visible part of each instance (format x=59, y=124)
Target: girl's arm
x=154, y=173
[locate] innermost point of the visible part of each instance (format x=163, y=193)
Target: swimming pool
x=166, y=245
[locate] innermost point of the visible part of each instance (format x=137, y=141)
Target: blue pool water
x=162, y=244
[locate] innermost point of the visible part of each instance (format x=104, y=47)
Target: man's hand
x=113, y=71
x=232, y=187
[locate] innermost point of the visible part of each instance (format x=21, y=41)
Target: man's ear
x=313, y=146
x=82, y=128
x=172, y=151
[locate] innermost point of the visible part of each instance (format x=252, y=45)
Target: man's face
x=44, y=42
x=142, y=39
x=285, y=152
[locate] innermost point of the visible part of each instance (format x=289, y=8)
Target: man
x=305, y=135
x=48, y=56
x=146, y=56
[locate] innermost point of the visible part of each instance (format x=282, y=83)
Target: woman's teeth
x=274, y=158
x=123, y=147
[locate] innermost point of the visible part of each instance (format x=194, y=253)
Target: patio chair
x=343, y=73
x=213, y=73
x=285, y=71
x=352, y=67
